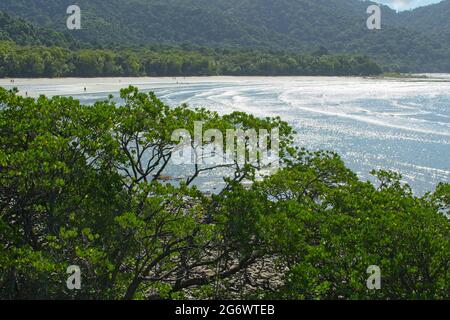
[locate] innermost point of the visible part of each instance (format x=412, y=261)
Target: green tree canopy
x=81, y=185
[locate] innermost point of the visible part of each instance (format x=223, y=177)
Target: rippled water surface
x=401, y=125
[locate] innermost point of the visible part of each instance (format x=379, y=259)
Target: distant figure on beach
x=84, y=89
x=12, y=80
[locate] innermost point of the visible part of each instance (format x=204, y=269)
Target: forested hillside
x=433, y=20
x=414, y=41
x=275, y=24
x=29, y=51
x=24, y=33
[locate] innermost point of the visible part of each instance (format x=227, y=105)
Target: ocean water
x=393, y=124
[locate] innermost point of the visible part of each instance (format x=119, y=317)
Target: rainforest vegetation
x=79, y=185
x=415, y=41
x=38, y=61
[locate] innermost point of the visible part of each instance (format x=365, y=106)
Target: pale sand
x=76, y=86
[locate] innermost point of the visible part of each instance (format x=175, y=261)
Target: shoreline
x=111, y=80
x=387, y=75
x=331, y=113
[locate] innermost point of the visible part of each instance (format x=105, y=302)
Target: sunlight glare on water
x=401, y=125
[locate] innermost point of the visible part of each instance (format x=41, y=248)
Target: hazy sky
x=407, y=4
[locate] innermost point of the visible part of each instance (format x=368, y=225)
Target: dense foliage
x=435, y=18
x=80, y=185
x=417, y=41
x=24, y=33
x=35, y=61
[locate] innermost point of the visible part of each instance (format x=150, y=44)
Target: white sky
x=407, y=4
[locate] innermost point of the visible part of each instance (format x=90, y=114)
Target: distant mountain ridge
x=409, y=41
x=433, y=20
